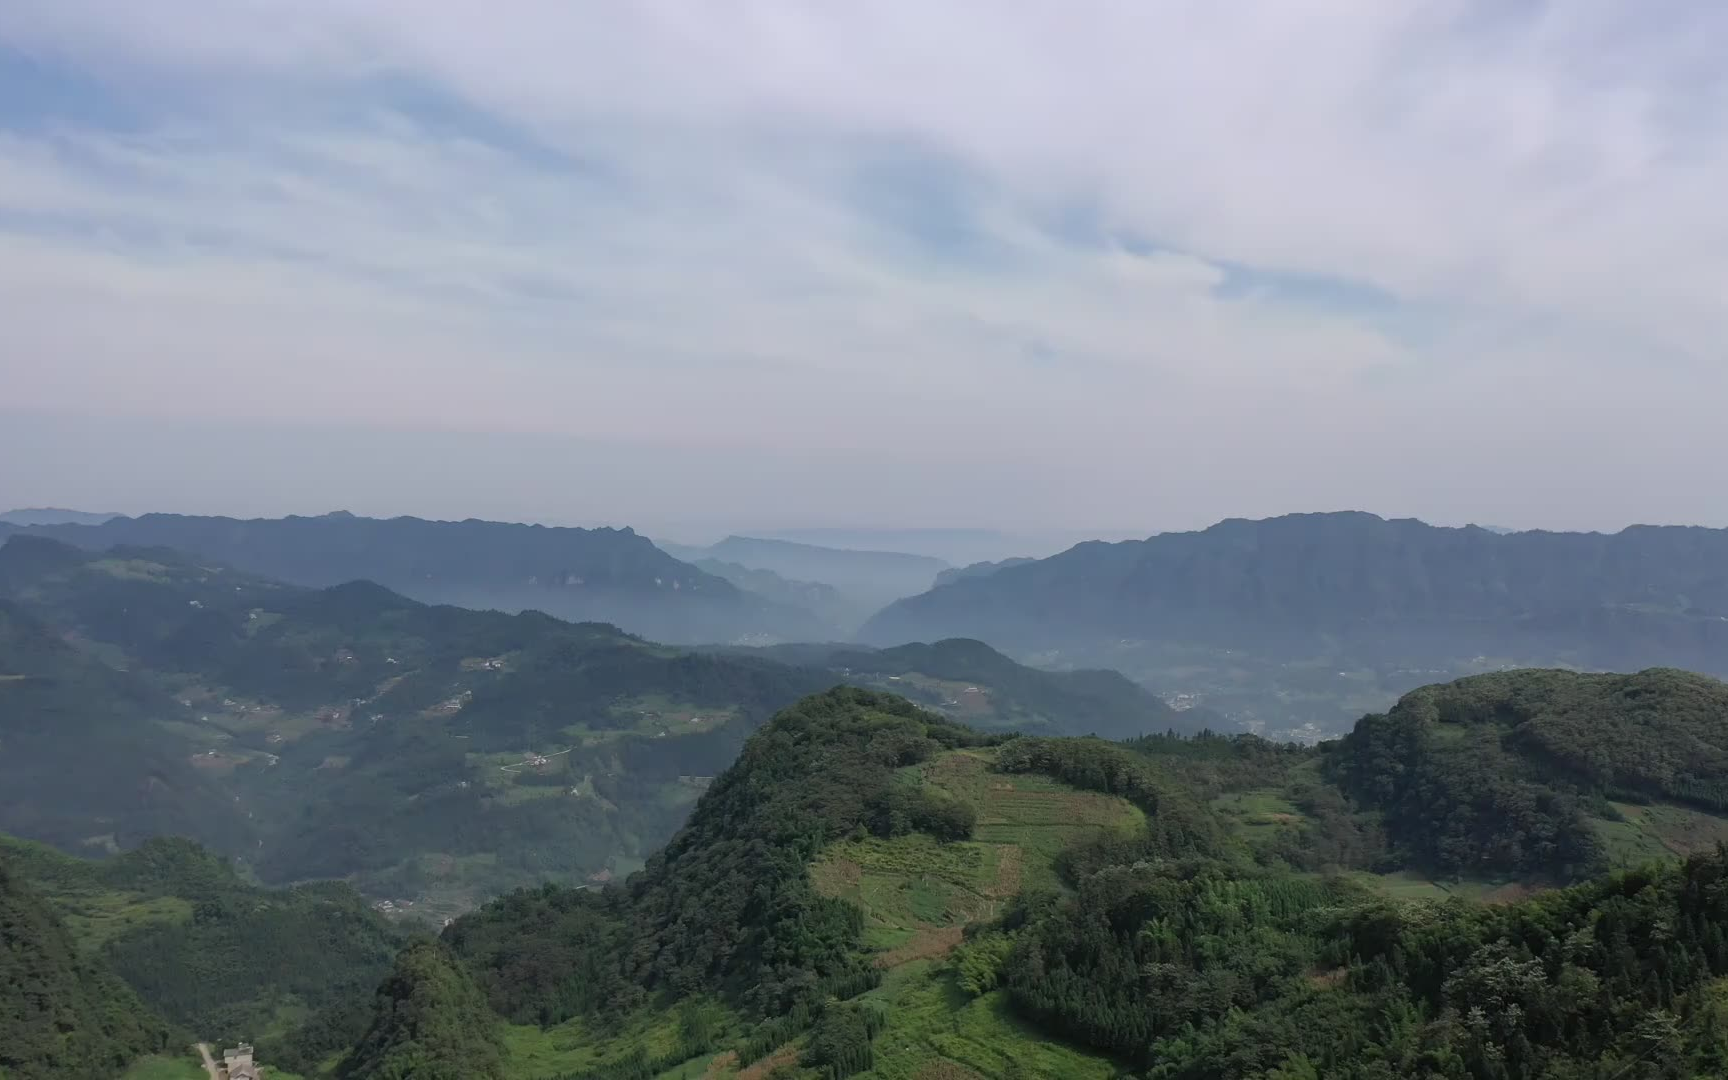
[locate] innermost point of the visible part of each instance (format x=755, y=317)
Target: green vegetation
x=1503, y=774
x=224, y=960
x=869, y=889
x=429, y=1023
x=1199, y=908
x=62, y=1013
x=80, y=763
x=158, y=1067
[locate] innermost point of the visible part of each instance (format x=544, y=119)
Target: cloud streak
x=1079, y=236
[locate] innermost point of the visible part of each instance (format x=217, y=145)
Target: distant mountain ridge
x=53, y=515
x=598, y=575
x=866, y=579
x=1646, y=596
x=970, y=681
x=979, y=569
x=838, y=614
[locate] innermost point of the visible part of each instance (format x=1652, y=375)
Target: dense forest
x=1501, y=773
x=213, y=955
x=428, y=1022
x=1192, y=971
x=62, y=1013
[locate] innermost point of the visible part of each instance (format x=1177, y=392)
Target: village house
x=237, y=1063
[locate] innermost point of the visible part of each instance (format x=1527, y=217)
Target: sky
x=1049, y=265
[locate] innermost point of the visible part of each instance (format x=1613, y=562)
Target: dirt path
x=210, y=1065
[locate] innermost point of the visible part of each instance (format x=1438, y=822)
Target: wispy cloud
x=1070, y=233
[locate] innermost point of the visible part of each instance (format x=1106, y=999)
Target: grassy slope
x=917, y=895
x=159, y=1067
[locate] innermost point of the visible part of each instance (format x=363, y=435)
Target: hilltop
x=1550, y=774
x=601, y=575
x=974, y=683
x=1321, y=617
x=872, y=890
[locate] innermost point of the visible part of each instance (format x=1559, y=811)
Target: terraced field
x=1659, y=831
x=919, y=893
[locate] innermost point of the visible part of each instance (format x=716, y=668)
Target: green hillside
x=218, y=958
x=875, y=891
x=62, y=1013
x=1546, y=774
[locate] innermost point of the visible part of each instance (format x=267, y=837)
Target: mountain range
x=1320, y=617
x=605, y=575
x=1285, y=584
x=431, y=753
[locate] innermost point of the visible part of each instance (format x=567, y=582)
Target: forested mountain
x=62, y=1013
x=978, y=685
x=871, y=890
x=1319, y=617
x=219, y=959
x=867, y=579
x=605, y=575
x=1514, y=773
x=429, y=1022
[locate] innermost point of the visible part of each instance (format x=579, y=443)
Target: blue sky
x=1128, y=266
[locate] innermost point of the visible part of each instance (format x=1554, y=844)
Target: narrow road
x=210, y=1065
